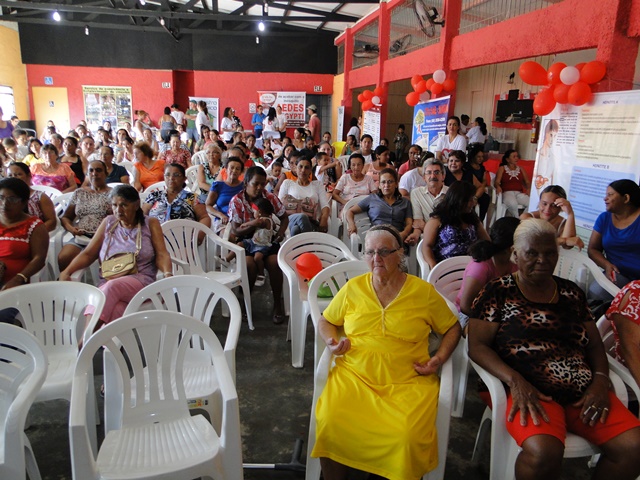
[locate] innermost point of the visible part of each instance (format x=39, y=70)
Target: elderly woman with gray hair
x=534, y=332
x=378, y=326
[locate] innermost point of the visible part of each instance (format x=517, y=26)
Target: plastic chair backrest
x=128, y=166
x=447, y=276
x=51, y=192
x=153, y=188
x=580, y=269
x=54, y=311
x=192, y=178
x=199, y=158
x=181, y=239
x=61, y=202
x=23, y=369
x=422, y=262
x=196, y=297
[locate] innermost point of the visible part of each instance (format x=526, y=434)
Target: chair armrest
x=623, y=373
x=180, y=266
x=77, y=275
x=82, y=456
x=355, y=243
x=496, y=391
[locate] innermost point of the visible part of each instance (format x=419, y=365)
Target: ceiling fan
x=428, y=17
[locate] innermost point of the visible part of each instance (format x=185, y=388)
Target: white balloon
x=376, y=100
x=425, y=97
x=569, y=75
x=439, y=76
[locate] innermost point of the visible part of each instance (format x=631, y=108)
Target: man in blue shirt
x=256, y=122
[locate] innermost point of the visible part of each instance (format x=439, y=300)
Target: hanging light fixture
x=257, y=40
x=56, y=16
x=162, y=21
x=261, y=26
x=86, y=30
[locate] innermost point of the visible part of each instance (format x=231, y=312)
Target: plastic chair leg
x=31, y=465
x=247, y=302
x=481, y=437
x=298, y=325
x=460, y=374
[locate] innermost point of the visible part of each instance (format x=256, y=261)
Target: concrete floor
x=275, y=400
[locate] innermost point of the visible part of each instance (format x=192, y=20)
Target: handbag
x=120, y=264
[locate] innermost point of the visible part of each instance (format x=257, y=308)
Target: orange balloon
x=593, y=72
x=553, y=74
x=533, y=73
x=308, y=265
x=430, y=83
x=367, y=94
x=580, y=65
x=449, y=85
x=421, y=87
x=436, y=88
x=412, y=98
x=561, y=93
x=378, y=92
x=361, y=98
x=367, y=105
x=580, y=93
x=415, y=79
x=544, y=103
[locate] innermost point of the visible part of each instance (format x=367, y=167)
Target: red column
x=451, y=13
x=615, y=48
x=384, y=39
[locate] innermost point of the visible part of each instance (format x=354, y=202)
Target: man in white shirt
x=177, y=114
x=410, y=180
x=423, y=199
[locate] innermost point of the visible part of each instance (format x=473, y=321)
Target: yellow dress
x=376, y=413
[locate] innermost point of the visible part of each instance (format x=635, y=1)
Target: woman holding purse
x=128, y=231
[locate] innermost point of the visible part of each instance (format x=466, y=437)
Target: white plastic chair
x=334, y=277
x=23, y=368
x=199, y=158
x=208, y=258
x=197, y=297
x=60, y=204
x=192, y=178
x=501, y=208
x=50, y=192
x=158, y=437
x=54, y=313
x=330, y=250
x=128, y=167
x=158, y=186
x=580, y=269
x=443, y=417
x=446, y=277
x=336, y=221
x=504, y=449
x=422, y=262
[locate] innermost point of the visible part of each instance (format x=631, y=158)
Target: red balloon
x=412, y=98
x=367, y=94
x=593, y=72
x=533, y=73
x=430, y=83
x=436, y=88
x=580, y=65
x=580, y=93
x=561, y=93
x=308, y=265
x=449, y=85
x=361, y=98
x=415, y=79
x=421, y=87
x=544, y=103
x=553, y=75
x=367, y=105
x=378, y=92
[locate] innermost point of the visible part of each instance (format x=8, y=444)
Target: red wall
x=146, y=86
x=236, y=89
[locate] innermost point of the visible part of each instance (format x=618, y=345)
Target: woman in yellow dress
x=377, y=412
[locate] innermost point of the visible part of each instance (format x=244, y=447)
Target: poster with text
x=340, y=135
x=212, y=108
x=106, y=104
x=292, y=103
x=371, y=124
x=430, y=122
x=584, y=149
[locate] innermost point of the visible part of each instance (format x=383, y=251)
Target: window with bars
x=365, y=48
x=410, y=28
x=479, y=14
x=340, y=59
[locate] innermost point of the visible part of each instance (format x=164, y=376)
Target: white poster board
x=584, y=149
x=371, y=124
x=340, y=135
x=213, y=107
x=292, y=104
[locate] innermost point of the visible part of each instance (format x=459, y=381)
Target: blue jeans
x=300, y=223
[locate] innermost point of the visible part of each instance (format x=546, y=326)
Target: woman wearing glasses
x=378, y=325
x=175, y=202
x=387, y=206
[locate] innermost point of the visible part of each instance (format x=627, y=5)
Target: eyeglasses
x=384, y=252
x=10, y=200
x=387, y=182
x=173, y=175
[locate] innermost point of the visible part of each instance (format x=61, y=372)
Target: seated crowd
x=518, y=317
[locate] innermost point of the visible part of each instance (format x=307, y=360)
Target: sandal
x=260, y=281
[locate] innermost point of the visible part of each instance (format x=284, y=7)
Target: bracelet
x=602, y=374
x=23, y=277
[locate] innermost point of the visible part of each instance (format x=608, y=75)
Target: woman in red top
x=24, y=239
x=513, y=182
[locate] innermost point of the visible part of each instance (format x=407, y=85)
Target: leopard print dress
x=545, y=343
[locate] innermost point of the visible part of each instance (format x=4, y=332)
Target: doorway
x=51, y=103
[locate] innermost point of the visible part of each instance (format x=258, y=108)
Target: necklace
x=553, y=297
